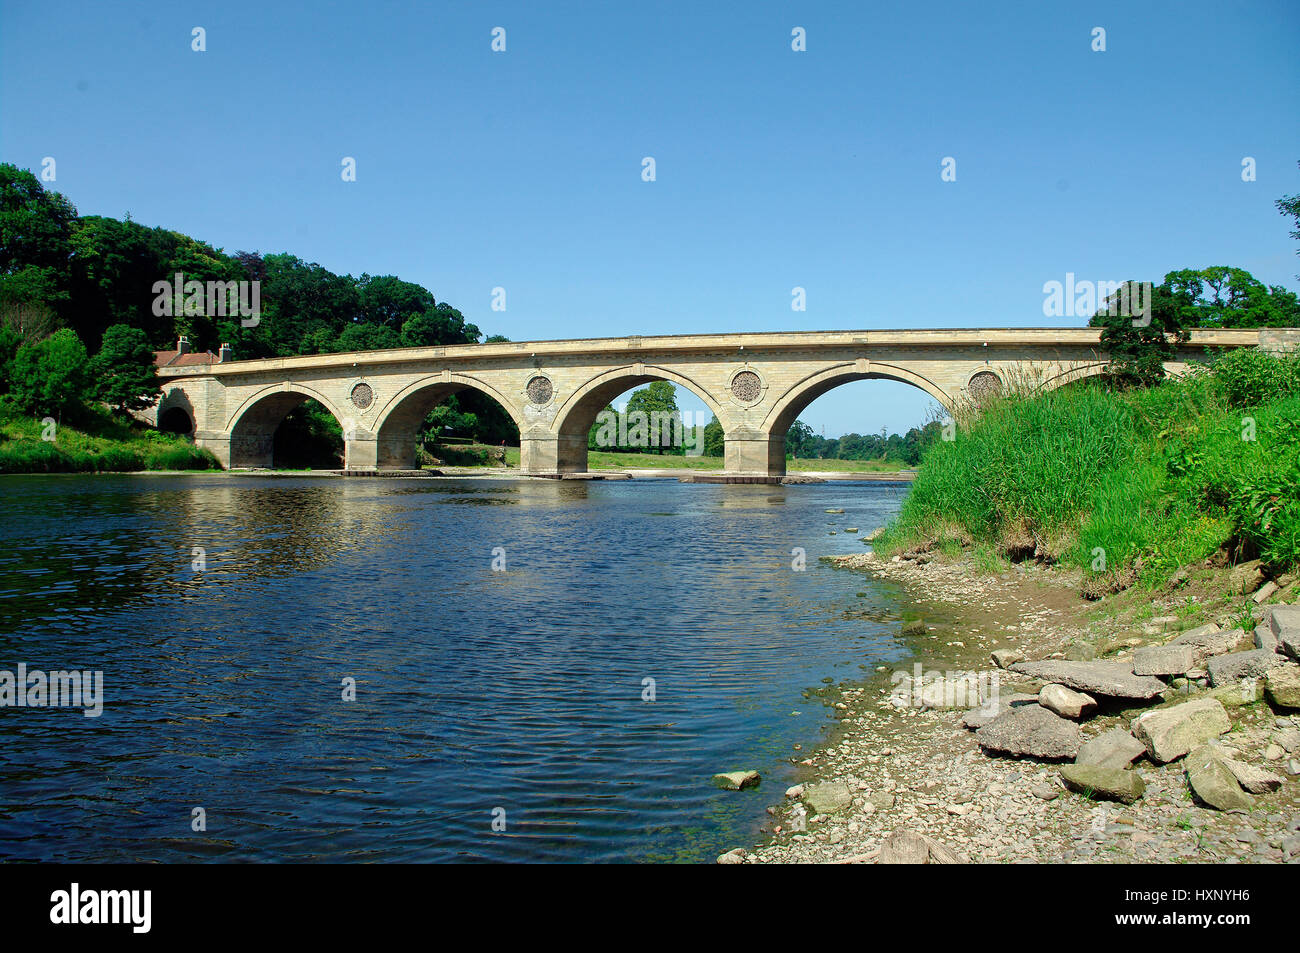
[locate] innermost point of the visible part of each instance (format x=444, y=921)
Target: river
x=517, y=697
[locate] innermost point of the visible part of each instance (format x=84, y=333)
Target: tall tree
x=123, y=370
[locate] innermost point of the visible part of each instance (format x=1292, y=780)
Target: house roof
x=175, y=358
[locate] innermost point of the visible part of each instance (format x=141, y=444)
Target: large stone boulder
x=1213, y=782
x=1109, y=784
x=829, y=797
x=1005, y=658
x=1253, y=779
x=1226, y=669
x=736, y=780
x=1066, y=702
x=1115, y=749
x=1282, y=683
x=994, y=708
x=1284, y=623
x=904, y=847
x=1031, y=730
x=1208, y=641
x=1164, y=660
x=1169, y=733
x=1112, y=679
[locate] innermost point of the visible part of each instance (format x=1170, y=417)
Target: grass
x=476, y=455
x=98, y=443
x=1125, y=485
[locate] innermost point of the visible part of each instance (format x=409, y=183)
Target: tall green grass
x=1111, y=481
x=98, y=443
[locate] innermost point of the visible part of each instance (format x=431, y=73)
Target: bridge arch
x=399, y=420
x=798, y=396
x=252, y=426
x=577, y=412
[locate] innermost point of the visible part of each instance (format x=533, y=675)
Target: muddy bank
x=894, y=763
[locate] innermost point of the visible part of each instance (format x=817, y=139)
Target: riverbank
x=898, y=772
x=98, y=444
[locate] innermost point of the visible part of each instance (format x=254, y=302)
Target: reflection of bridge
x=756, y=384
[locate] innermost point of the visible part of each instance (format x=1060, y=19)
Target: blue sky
x=775, y=169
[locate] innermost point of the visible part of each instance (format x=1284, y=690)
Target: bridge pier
x=361, y=452
x=754, y=453
x=217, y=443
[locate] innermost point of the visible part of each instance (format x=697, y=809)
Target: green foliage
x=1250, y=377
x=50, y=377
x=1168, y=474
x=714, y=439
x=100, y=443
x=123, y=370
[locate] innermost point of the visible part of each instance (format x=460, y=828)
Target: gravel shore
x=902, y=779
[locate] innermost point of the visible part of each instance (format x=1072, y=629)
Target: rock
x=736, y=780
x=874, y=534
x=995, y=708
x=829, y=797
x=1066, y=703
x=914, y=627
x=1265, y=639
x=1005, y=658
x=1209, y=641
x=1284, y=623
x=1164, y=660
x=1169, y=733
x=1213, y=783
x=1081, y=652
x=941, y=853
x=1115, y=749
x=1110, y=784
x=1113, y=679
x=1046, y=792
x=1253, y=779
x=1274, y=753
x=1288, y=738
x=1031, y=730
x=880, y=800
x=1264, y=591
x=736, y=856
x=1282, y=683
x=1226, y=669
x=904, y=847
x=795, y=792
x=1247, y=577
x=835, y=511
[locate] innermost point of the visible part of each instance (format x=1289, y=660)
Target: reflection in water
x=475, y=689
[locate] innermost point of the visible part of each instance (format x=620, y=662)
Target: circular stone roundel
x=984, y=386
x=363, y=395
x=746, y=387
x=540, y=390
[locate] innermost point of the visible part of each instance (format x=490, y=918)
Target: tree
x=715, y=444
x=387, y=299
x=50, y=377
x=658, y=398
x=35, y=247
x=1138, y=349
x=123, y=370
x=799, y=439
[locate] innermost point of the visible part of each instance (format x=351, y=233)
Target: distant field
x=602, y=460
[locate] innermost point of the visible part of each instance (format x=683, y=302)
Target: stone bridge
x=756, y=384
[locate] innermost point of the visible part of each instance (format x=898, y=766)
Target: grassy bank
x=98, y=443
x=1126, y=485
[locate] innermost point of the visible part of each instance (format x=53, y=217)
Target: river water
x=514, y=697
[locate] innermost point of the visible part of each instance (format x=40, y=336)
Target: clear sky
x=819, y=169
